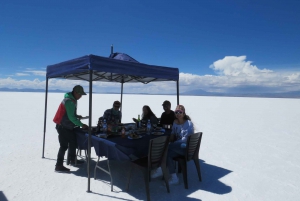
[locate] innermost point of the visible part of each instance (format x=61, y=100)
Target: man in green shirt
x=66, y=120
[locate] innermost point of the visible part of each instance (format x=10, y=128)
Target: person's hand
x=172, y=138
x=85, y=127
x=134, y=119
x=79, y=116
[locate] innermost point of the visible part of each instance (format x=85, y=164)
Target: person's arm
x=153, y=120
x=105, y=115
x=70, y=108
x=187, y=130
x=162, y=121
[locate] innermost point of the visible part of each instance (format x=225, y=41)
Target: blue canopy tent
x=118, y=67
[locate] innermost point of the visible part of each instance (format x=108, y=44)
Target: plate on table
x=134, y=136
x=157, y=133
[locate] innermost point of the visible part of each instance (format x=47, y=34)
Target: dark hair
x=150, y=113
x=187, y=117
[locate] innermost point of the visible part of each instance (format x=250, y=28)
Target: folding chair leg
x=129, y=176
x=146, y=178
x=111, y=179
x=76, y=157
x=165, y=177
x=197, y=164
x=184, y=172
x=68, y=158
x=96, y=168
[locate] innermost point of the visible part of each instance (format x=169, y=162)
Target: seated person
x=147, y=114
x=113, y=115
x=168, y=116
x=182, y=128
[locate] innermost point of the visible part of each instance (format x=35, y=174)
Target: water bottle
x=148, y=127
x=138, y=122
x=104, y=126
x=123, y=132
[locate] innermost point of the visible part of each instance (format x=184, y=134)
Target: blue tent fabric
x=122, y=56
x=111, y=70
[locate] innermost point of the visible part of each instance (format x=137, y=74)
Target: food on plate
x=133, y=135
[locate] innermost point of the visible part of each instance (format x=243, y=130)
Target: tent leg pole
x=90, y=130
x=45, y=117
x=121, y=96
x=177, y=84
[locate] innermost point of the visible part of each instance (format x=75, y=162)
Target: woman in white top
x=182, y=128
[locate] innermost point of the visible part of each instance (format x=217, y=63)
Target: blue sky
x=218, y=45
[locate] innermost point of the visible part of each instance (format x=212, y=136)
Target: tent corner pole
x=45, y=116
x=90, y=130
x=177, y=84
x=122, y=94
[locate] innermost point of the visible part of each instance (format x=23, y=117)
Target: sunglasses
x=178, y=112
x=116, y=106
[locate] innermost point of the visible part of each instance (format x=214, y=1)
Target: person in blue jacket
x=182, y=128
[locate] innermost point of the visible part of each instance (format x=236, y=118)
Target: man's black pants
x=67, y=139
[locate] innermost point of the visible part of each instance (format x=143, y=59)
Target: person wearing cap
x=168, y=116
x=66, y=120
x=114, y=114
x=182, y=128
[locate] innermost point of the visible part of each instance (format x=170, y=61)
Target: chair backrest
x=157, y=151
x=193, y=145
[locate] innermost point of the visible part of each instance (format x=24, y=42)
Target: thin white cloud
x=37, y=72
x=22, y=74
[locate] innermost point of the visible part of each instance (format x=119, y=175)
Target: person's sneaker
x=61, y=168
x=79, y=162
x=156, y=173
x=173, y=180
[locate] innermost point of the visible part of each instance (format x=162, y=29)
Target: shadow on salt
x=211, y=176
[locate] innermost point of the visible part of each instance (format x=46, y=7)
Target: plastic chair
x=157, y=155
x=191, y=153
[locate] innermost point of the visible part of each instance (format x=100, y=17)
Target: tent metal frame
x=99, y=77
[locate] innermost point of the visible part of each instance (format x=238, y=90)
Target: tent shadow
x=210, y=181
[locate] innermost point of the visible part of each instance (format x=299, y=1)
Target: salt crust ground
x=250, y=150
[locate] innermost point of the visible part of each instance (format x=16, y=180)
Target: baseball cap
x=166, y=102
x=79, y=89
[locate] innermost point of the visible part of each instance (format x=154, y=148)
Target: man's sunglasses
x=178, y=112
x=116, y=106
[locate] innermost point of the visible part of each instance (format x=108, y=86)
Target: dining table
x=119, y=148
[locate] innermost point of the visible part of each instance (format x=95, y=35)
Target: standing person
x=182, y=128
x=66, y=119
x=168, y=116
x=114, y=114
x=147, y=115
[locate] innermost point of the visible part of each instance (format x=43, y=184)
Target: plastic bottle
x=104, y=126
x=123, y=132
x=148, y=127
x=139, y=122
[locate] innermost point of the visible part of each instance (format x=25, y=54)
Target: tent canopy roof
x=111, y=70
